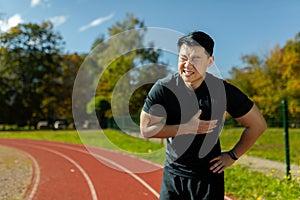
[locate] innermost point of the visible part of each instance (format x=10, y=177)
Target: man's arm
x=153, y=126
x=255, y=125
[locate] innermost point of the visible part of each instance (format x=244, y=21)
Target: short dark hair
x=198, y=38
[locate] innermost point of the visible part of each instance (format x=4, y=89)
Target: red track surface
x=65, y=171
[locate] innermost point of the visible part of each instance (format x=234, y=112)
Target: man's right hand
x=198, y=126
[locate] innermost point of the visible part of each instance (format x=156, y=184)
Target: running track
x=63, y=171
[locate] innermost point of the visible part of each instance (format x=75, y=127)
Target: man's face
x=192, y=64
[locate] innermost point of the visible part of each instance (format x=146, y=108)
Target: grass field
x=270, y=145
x=240, y=181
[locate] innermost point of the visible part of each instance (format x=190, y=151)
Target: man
x=188, y=109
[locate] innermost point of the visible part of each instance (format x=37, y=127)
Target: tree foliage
x=102, y=108
x=119, y=57
x=268, y=81
x=70, y=65
x=30, y=70
x=36, y=77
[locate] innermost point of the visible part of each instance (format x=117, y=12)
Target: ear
x=211, y=60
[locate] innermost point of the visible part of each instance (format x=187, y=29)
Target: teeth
x=188, y=73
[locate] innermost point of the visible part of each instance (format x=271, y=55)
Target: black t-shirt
x=189, y=154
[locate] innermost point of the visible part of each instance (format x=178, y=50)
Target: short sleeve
x=238, y=103
x=154, y=102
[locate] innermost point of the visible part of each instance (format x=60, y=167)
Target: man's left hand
x=221, y=162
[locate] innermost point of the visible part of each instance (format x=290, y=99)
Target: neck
x=194, y=85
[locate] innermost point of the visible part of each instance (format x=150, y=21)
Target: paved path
x=269, y=167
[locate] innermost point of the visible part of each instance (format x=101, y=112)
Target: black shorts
x=176, y=187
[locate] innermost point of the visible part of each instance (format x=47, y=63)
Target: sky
x=238, y=27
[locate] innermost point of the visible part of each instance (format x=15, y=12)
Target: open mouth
x=188, y=73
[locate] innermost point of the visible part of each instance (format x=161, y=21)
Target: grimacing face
x=192, y=64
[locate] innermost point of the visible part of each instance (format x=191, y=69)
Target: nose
x=187, y=63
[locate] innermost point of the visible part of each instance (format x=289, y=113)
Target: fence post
x=286, y=138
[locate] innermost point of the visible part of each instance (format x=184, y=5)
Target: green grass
x=244, y=184
x=241, y=182
x=110, y=139
x=270, y=145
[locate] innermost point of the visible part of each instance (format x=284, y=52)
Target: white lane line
x=87, y=178
x=145, y=184
x=122, y=153
x=36, y=176
x=130, y=173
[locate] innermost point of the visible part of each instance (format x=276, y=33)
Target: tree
x=270, y=81
x=289, y=65
x=118, y=56
x=102, y=109
x=30, y=71
x=145, y=74
x=70, y=65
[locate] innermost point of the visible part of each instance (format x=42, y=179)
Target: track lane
x=117, y=182
x=82, y=171
x=109, y=182
x=58, y=178
x=147, y=173
x=111, y=160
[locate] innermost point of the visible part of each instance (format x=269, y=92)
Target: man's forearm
x=160, y=130
x=255, y=125
x=247, y=139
